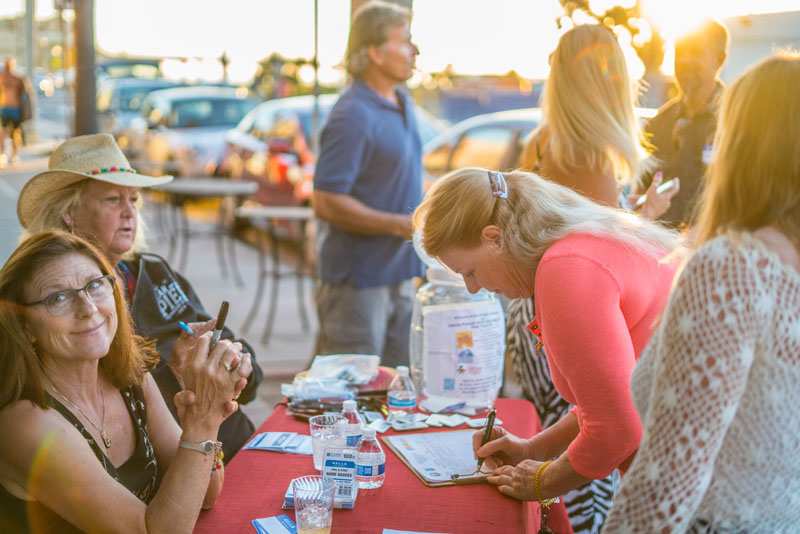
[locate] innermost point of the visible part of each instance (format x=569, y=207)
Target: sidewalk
x=289, y=348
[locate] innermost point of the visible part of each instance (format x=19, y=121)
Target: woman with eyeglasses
x=91, y=191
x=599, y=284
x=88, y=443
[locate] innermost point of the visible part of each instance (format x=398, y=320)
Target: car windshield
x=131, y=98
x=194, y=113
x=131, y=70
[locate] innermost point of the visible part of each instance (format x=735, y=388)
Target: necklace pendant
x=106, y=439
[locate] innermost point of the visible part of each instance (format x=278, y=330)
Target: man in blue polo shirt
x=367, y=182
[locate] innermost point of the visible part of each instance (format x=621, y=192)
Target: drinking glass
x=313, y=504
x=326, y=431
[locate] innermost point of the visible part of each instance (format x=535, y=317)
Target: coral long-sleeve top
x=597, y=302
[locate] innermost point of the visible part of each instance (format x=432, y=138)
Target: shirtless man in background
x=12, y=94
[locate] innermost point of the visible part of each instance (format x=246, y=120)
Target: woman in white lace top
x=718, y=387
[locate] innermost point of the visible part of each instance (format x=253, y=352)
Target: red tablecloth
x=255, y=482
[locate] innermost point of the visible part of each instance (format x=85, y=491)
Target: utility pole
x=85, y=82
x=315, y=112
x=30, y=37
x=30, y=56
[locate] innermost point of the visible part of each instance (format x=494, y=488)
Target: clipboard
x=407, y=446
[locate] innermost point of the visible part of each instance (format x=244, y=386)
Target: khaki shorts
x=373, y=320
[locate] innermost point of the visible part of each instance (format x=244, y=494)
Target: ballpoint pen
x=487, y=433
x=459, y=478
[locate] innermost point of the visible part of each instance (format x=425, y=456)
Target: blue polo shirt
x=370, y=149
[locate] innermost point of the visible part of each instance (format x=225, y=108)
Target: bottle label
x=339, y=465
x=395, y=402
x=370, y=470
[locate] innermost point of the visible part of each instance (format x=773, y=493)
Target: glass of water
x=313, y=504
x=326, y=431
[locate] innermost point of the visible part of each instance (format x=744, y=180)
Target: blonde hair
x=21, y=369
x=588, y=108
x=536, y=214
x=754, y=178
x=55, y=205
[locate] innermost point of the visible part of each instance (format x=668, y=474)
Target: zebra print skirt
x=588, y=505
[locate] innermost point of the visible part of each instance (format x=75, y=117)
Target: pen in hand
x=487, y=433
x=220, y=324
x=186, y=328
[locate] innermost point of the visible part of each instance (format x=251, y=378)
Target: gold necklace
x=100, y=429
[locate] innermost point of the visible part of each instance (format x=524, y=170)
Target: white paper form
x=436, y=456
x=463, y=346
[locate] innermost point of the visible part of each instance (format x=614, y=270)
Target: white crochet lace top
x=718, y=391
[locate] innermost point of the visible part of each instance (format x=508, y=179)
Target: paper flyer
x=463, y=346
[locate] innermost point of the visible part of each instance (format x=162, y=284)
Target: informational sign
x=463, y=346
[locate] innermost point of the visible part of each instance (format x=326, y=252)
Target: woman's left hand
x=516, y=481
x=243, y=371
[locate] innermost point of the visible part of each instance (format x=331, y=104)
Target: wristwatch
x=207, y=447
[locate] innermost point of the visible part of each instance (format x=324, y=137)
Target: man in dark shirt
x=367, y=182
x=682, y=133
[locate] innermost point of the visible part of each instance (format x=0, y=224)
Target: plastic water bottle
x=475, y=374
x=402, y=395
x=370, y=462
x=355, y=422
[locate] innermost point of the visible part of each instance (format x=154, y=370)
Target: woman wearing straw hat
x=91, y=190
x=87, y=441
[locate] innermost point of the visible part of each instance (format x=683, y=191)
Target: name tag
x=708, y=154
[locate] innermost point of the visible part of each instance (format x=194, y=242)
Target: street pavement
x=289, y=349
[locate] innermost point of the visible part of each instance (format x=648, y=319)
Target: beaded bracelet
x=218, y=460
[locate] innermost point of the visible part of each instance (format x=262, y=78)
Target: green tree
x=645, y=38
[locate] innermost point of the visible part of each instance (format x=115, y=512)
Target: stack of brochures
x=289, y=442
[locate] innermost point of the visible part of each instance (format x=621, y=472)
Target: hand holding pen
x=498, y=447
x=184, y=346
x=487, y=434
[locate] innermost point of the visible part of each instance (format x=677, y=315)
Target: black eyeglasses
x=60, y=302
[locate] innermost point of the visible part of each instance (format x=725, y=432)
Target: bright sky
x=475, y=36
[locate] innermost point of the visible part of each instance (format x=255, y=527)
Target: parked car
x=493, y=141
x=119, y=101
x=129, y=68
x=181, y=131
x=272, y=146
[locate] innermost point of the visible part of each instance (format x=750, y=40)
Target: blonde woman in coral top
x=600, y=285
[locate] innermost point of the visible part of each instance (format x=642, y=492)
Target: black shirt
x=161, y=298
x=683, y=145
x=139, y=473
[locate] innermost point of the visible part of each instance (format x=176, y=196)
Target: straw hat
x=88, y=156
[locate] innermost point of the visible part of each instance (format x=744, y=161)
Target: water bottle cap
x=443, y=276
x=416, y=240
x=349, y=405
x=402, y=370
